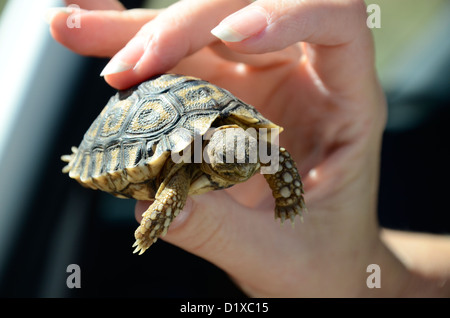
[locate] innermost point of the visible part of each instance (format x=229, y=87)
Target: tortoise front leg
x=169, y=201
x=287, y=188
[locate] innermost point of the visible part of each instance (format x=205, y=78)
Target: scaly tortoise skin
x=127, y=150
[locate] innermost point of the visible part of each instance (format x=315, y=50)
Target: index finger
x=179, y=31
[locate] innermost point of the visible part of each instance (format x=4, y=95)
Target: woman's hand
x=307, y=66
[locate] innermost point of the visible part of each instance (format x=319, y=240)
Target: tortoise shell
x=126, y=147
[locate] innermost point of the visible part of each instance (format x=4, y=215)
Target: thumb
x=217, y=228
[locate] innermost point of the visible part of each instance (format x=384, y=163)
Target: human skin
x=309, y=67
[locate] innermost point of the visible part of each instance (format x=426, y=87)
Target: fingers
x=339, y=42
x=177, y=32
x=101, y=33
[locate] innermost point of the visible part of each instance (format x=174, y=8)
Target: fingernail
x=116, y=66
x=126, y=58
x=241, y=24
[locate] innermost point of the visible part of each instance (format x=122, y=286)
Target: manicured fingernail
x=241, y=24
x=116, y=66
x=126, y=58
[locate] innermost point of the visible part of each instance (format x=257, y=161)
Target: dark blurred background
x=50, y=96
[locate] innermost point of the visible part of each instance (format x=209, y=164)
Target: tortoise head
x=231, y=154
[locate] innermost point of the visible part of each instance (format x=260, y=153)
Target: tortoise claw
x=160, y=214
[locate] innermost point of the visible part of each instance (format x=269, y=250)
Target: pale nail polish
x=227, y=34
x=241, y=24
x=116, y=66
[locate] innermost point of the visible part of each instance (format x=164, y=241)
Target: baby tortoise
x=129, y=150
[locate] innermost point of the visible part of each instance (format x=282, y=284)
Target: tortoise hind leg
x=169, y=201
x=287, y=189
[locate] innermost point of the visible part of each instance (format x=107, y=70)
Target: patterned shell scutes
x=127, y=145
x=138, y=128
